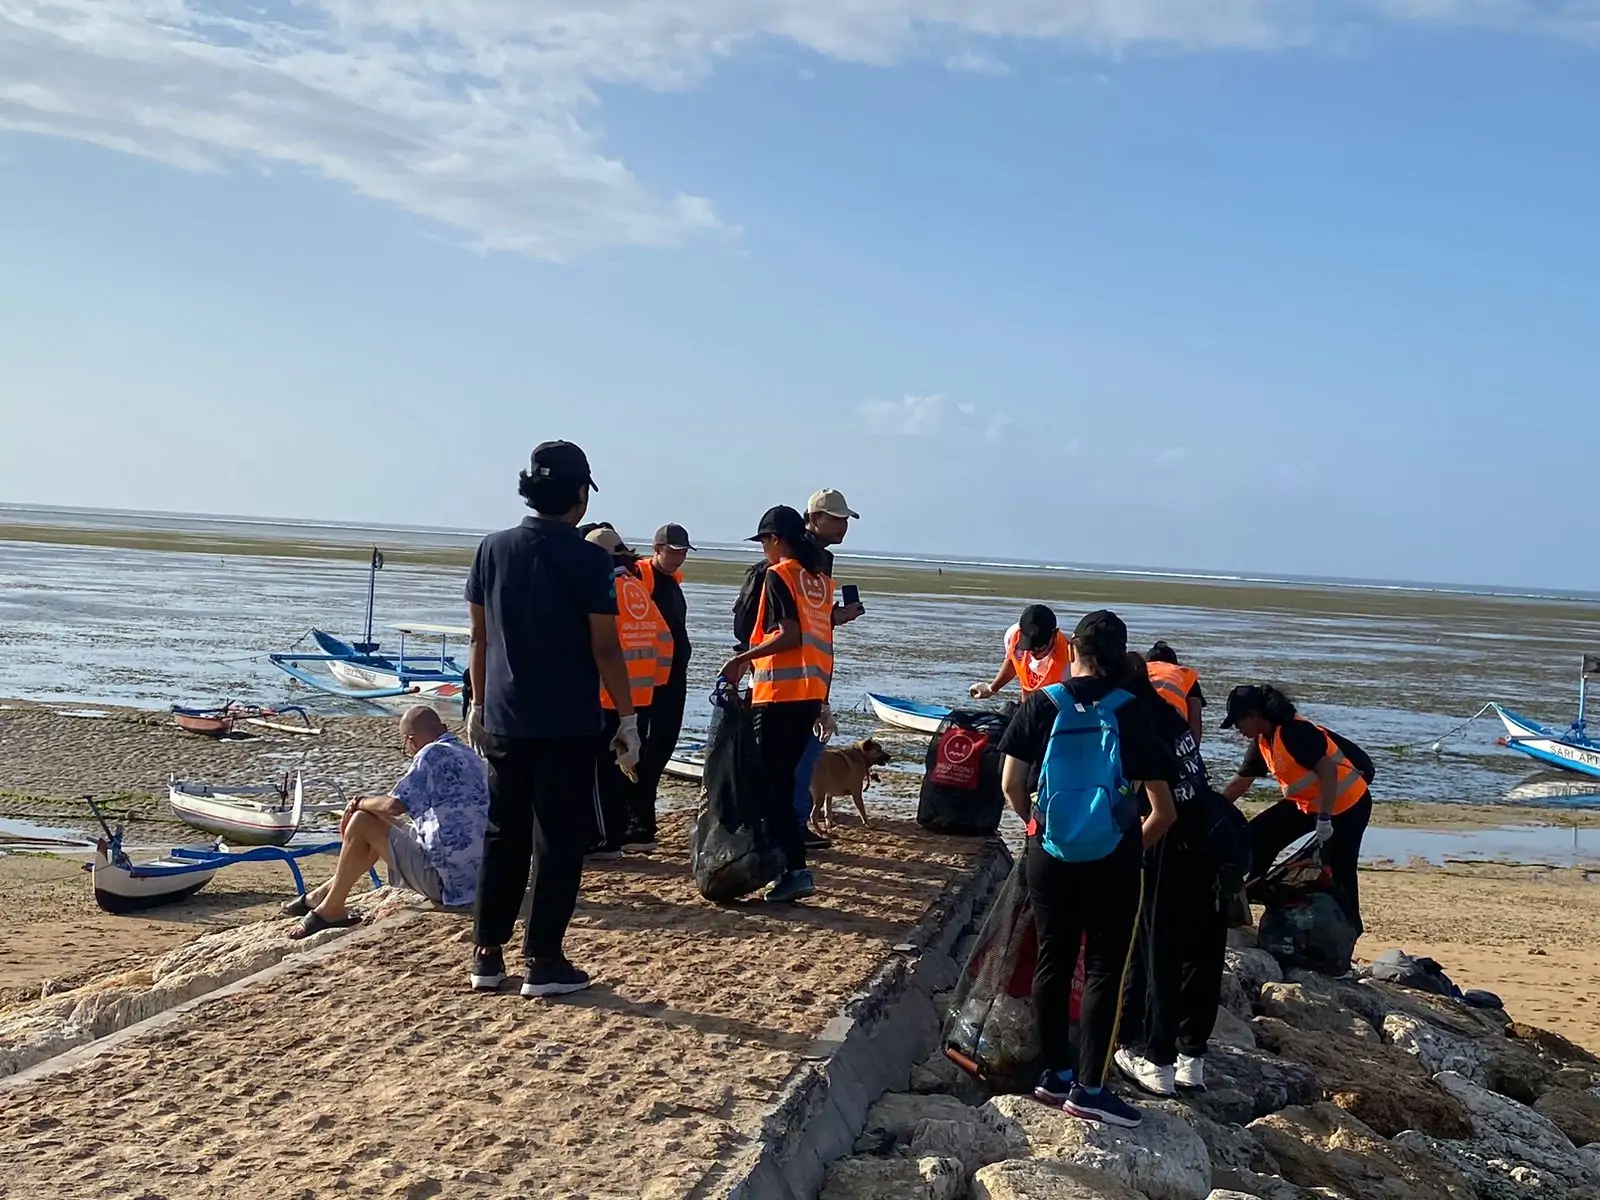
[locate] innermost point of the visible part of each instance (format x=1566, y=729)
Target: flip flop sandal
x=298, y=907
x=314, y=923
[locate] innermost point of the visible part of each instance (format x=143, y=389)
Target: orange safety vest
x=1301, y=787
x=646, y=642
x=647, y=576
x=1173, y=684
x=1035, y=673
x=806, y=672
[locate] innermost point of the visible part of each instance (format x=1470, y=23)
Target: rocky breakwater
x=1319, y=1088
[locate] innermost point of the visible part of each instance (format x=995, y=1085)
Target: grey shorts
x=411, y=867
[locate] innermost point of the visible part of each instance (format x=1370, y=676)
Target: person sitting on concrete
x=428, y=830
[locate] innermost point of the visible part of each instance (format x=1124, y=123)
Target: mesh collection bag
x=961, y=782
x=730, y=851
x=1303, y=924
x=993, y=1029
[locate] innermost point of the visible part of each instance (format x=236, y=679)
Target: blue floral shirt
x=446, y=793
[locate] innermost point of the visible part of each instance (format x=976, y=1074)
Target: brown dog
x=844, y=772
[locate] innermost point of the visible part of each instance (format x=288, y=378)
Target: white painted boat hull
x=898, y=718
x=368, y=679
x=686, y=768
x=253, y=816
x=1537, y=743
x=121, y=890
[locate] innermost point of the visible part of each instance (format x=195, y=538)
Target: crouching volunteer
x=1037, y=655
x=1096, y=746
x=1178, y=685
x=792, y=657
x=627, y=805
x=1324, y=782
x=1170, y=1007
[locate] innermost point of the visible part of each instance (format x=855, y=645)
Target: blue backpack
x=1086, y=804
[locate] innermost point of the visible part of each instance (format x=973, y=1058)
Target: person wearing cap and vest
x=662, y=574
x=647, y=652
x=1323, y=778
x=1177, y=684
x=791, y=657
x=543, y=606
x=1038, y=654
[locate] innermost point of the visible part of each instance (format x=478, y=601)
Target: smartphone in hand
x=849, y=594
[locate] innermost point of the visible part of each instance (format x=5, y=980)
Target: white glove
x=981, y=691
x=826, y=726
x=1324, y=830
x=626, y=746
x=477, y=736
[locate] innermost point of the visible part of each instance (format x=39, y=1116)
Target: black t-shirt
x=538, y=584
x=674, y=607
x=1303, y=741
x=780, y=605
x=1196, y=694
x=1146, y=755
x=1192, y=779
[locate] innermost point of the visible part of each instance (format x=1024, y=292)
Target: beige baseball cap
x=609, y=540
x=831, y=503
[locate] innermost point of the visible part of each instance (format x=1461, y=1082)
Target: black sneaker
x=1103, y=1106
x=604, y=852
x=638, y=842
x=488, y=969
x=815, y=841
x=552, y=978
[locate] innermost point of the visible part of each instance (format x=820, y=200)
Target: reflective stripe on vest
x=806, y=672
x=1035, y=673
x=1301, y=787
x=1173, y=684
x=646, y=642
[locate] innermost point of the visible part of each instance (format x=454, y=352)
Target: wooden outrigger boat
x=1571, y=749
x=899, y=713
x=252, y=815
x=224, y=719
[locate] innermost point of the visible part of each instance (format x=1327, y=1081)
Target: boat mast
x=368, y=645
x=1591, y=665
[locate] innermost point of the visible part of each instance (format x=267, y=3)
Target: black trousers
x=1170, y=1007
x=542, y=805
x=1274, y=828
x=624, y=803
x=666, y=723
x=1096, y=905
x=783, y=731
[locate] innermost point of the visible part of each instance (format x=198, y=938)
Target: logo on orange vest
x=815, y=589
x=957, y=747
x=634, y=600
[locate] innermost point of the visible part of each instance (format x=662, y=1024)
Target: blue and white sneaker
x=1053, y=1088
x=1102, y=1106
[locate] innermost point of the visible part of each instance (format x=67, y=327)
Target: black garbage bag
x=731, y=851
x=1303, y=924
x=1417, y=972
x=961, y=781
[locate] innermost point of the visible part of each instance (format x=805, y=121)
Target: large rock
x=1233, y=999
x=1364, y=1002
x=972, y=1142
x=1493, y=1178
x=936, y=1075
x=1225, y=1194
x=893, y=1120
x=1381, y=1087
x=1230, y=1147
x=1313, y=1011
x=1253, y=969
x=1518, y=1069
x=1449, y=1015
x=1576, y=1114
x=894, y=1179
x=1264, y=1187
x=1435, y=1050
x=1567, y=1053
x=1244, y=1084
x=1164, y=1158
x=1324, y=1147
x=1508, y=1130
x=1034, y=1179
x=1231, y=1031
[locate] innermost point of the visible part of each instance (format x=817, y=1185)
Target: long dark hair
x=807, y=553
x=1136, y=679
x=1277, y=707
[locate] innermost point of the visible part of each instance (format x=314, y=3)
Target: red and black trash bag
x=961, y=781
x=1303, y=923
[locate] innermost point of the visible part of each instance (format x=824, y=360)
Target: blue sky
x=1247, y=284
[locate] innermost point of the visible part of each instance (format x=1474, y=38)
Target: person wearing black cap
x=1037, y=655
x=792, y=657
x=663, y=575
x=1323, y=778
x=544, y=639
x=1084, y=860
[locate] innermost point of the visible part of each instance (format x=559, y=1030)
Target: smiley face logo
x=634, y=601
x=957, y=747
x=814, y=588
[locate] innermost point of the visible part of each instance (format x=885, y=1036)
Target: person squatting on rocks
x=792, y=658
x=1170, y=1007
x=543, y=604
x=1323, y=778
x=1096, y=746
x=428, y=829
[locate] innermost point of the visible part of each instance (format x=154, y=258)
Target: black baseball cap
x=1103, y=635
x=784, y=522
x=1036, y=629
x=672, y=536
x=561, y=460
x=1245, y=699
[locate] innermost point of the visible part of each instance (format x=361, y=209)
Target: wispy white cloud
x=932, y=416
x=971, y=62
x=483, y=115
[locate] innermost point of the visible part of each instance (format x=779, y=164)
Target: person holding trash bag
x=1097, y=747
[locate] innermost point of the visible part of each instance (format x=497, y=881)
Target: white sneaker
x=1146, y=1076
x=1190, y=1073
